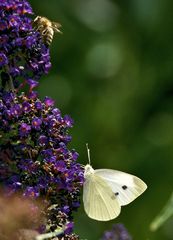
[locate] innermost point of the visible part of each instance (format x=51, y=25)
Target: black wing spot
x=124, y=187
x=117, y=193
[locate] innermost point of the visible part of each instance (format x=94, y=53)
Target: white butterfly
x=106, y=190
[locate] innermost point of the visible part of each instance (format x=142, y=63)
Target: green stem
x=7, y=81
x=56, y=233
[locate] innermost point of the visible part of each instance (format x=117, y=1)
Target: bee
x=46, y=28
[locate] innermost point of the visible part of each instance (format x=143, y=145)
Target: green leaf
x=164, y=215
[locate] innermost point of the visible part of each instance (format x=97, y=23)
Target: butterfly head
x=88, y=170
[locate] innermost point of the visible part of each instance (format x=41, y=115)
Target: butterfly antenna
x=88, y=151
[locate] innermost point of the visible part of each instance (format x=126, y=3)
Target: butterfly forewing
x=100, y=202
x=125, y=187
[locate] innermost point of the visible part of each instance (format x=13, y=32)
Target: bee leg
x=38, y=28
x=45, y=32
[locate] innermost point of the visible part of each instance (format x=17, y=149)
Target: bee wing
x=125, y=186
x=100, y=202
x=56, y=26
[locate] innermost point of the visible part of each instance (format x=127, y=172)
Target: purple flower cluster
x=34, y=157
x=118, y=232
x=22, y=51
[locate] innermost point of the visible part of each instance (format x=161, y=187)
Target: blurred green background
x=113, y=73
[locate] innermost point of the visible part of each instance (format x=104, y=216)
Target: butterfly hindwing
x=126, y=187
x=100, y=203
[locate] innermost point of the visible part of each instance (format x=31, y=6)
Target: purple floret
x=118, y=232
x=3, y=60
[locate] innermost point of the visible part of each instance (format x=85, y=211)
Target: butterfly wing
x=126, y=187
x=100, y=203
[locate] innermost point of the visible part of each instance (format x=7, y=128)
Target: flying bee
x=46, y=28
